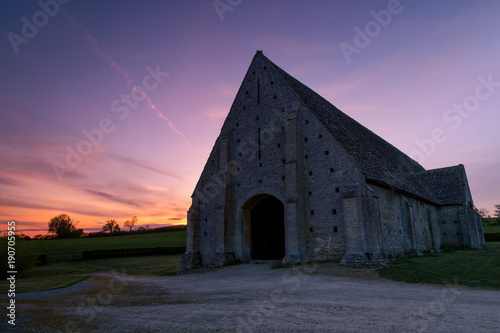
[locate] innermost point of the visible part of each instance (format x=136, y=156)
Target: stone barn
x=293, y=178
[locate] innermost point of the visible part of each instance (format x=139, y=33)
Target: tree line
x=63, y=226
x=484, y=213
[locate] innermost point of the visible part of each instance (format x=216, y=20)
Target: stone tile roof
x=446, y=184
x=379, y=160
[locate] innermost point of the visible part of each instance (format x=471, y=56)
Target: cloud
x=9, y=181
x=146, y=166
x=175, y=219
x=24, y=204
x=112, y=197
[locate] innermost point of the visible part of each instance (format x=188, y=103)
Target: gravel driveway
x=256, y=298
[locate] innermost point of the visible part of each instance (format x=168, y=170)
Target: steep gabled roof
x=377, y=159
x=381, y=162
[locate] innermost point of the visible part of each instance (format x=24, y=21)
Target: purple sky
x=423, y=75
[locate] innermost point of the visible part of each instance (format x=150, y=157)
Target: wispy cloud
x=146, y=166
x=112, y=197
x=9, y=181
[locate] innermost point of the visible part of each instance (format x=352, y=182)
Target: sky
x=109, y=109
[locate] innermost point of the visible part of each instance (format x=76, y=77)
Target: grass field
x=64, y=249
x=465, y=267
x=64, y=274
x=491, y=229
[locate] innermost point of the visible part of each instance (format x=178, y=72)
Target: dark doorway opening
x=267, y=229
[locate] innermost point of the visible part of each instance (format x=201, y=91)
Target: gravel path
x=77, y=287
x=256, y=298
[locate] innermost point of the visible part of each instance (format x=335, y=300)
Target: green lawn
x=491, y=229
x=64, y=274
x=466, y=267
x=64, y=249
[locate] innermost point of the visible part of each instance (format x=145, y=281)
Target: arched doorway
x=267, y=228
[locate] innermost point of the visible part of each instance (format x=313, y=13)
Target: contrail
x=92, y=43
x=160, y=114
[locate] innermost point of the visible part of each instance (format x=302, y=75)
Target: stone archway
x=265, y=219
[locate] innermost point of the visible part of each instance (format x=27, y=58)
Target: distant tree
x=112, y=226
x=64, y=226
x=130, y=223
x=497, y=211
x=483, y=212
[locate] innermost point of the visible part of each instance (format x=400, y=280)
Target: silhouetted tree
x=64, y=226
x=112, y=226
x=483, y=212
x=497, y=211
x=130, y=223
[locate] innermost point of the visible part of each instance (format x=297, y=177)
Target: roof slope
x=446, y=184
x=378, y=159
